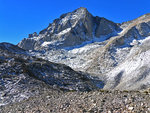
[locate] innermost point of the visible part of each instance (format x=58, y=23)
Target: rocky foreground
x=81, y=102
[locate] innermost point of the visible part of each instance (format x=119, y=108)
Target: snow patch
x=64, y=31
x=46, y=43
x=83, y=49
x=144, y=39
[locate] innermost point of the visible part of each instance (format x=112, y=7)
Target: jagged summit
x=76, y=14
x=71, y=29
x=70, y=18
x=82, y=10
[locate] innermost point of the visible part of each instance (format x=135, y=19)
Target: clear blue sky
x=18, y=18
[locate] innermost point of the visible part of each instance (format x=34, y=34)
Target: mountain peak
x=82, y=9
x=71, y=29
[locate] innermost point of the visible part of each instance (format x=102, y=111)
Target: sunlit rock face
x=96, y=46
x=71, y=29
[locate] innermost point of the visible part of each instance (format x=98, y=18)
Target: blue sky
x=18, y=18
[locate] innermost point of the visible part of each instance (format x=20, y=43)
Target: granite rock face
x=71, y=29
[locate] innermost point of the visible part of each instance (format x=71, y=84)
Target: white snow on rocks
x=46, y=43
x=134, y=71
x=76, y=16
x=64, y=31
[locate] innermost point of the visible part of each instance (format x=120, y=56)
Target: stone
x=130, y=108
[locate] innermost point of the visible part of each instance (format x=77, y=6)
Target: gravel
x=101, y=101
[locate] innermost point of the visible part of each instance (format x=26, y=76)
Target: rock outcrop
x=71, y=29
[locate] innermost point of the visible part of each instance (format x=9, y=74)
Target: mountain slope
x=134, y=72
x=91, y=44
x=23, y=76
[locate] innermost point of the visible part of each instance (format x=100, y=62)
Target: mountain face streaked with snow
x=71, y=29
x=116, y=53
